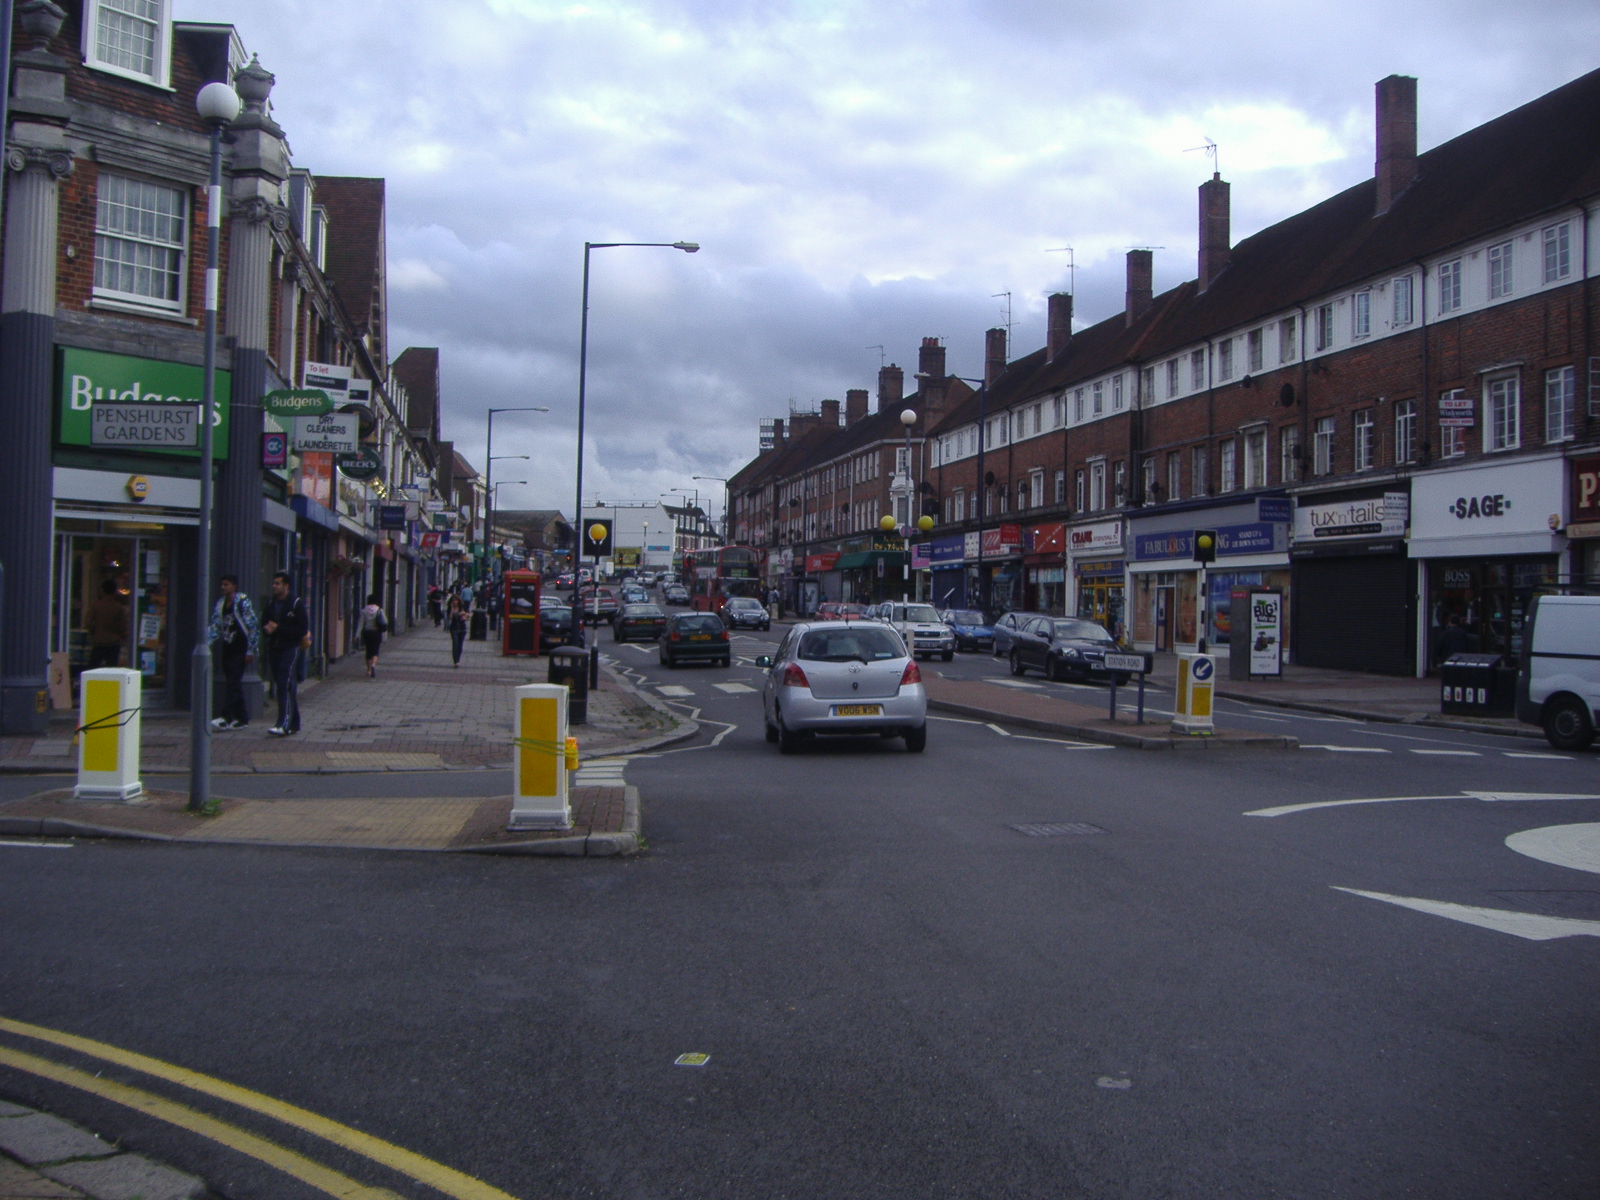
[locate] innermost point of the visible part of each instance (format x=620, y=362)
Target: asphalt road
x=1010, y=966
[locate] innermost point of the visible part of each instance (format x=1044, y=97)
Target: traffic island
x=1047, y=712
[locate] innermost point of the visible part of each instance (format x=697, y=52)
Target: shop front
x=1583, y=526
x=874, y=569
x=1354, y=589
x=1044, y=567
x=1096, y=561
x=996, y=573
x=824, y=568
x=946, y=559
x=1489, y=538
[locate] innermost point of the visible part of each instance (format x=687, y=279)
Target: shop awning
x=865, y=558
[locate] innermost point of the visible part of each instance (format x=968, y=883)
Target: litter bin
x=1469, y=684
x=569, y=666
x=479, y=631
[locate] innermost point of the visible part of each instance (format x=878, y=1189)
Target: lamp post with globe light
x=218, y=105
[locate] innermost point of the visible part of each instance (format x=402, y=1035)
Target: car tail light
x=723, y=635
x=793, y=676
x=674, y=636
x=911, y=674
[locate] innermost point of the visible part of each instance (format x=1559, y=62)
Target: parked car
x=743, y=612
x=839, y=610
x=643, y=621
x=555, y=626
x=1558, y=680
x=675, y=593
x=599, y=604
x=1005, y=630
x=921, y=629
x=1064, y=648
x=695, y=637
x=846, y=678
x=972, y=630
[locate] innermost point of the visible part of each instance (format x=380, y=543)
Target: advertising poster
x=1266, y=633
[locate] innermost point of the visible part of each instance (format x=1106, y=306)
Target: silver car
x=843, y=677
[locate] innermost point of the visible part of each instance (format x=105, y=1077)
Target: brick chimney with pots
x=855, y=405
x=930, y=359
x=777, y=433
x=891, y=387
x=1060, y=329
x=1140, y=291
x=1396, y=166
x=830, y=413
x=1215, y=243
x=994, y=355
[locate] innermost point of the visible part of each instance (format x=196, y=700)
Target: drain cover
x=1057, y=828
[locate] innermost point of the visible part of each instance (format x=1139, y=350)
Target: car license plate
x=857, y=710
x=699, y=637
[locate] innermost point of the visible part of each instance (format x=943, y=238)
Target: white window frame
x=1174, y=475
x=1097, y=486
x=1227, y=455
x=1116, y=392
x=1077, y=406
x=135, y=299
x=1450, y=286
x=1255, y=459
x=1256, y=350
x=1098, y=405
x=1324, y=331
x=1502, y=413
x=1288, y=454
x=1366, y=440
x=1199, y=470
x=1452, y=438
x=1081, y=491
x=1224, y=360
x=1560, y=404
x=1322, y=446
x=1288, y=342
x=1502, y=267
x=1038, y=417
x=1119, y=484
x=1361, y=315
x=1197, y=370
x=1404, y=301
x=1405, y=431
x=1150, y=469
x=1061, y=486
x=1172, y=379
x=1036, y=488
x=161, y=53
x=1557, y=243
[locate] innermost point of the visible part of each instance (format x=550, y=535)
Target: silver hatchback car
x=843, y=677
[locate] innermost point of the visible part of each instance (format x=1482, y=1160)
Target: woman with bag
x=373, y=626
x=458, y=627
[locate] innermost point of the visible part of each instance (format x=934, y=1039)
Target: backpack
x=373, y=621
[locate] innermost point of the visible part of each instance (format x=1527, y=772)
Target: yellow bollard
x=1192, y=705
x=539, y=783
x=572, y=754
x=108, y=748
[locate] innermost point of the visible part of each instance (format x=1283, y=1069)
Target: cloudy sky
x=859, y=174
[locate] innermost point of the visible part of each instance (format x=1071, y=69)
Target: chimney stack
x=891, y=387
x=1140, y=292
x=930, y=360
x=777, y=433
x=1397, y=138
x=1060, y=332
x=855, y=405
x=1215, y=246
x=994, y=356
x=830, y=414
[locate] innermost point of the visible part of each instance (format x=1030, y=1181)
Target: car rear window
x=641, y=610
x=859, y=642
x=922, y=613
x=743, y=602
x=965, y=616
x=698, y=623
x=1083, y=631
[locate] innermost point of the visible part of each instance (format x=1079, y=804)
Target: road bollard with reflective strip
x=539, y=763
x=108, y=735
x=1197, y=675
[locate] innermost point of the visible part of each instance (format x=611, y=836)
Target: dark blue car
x=971, y=630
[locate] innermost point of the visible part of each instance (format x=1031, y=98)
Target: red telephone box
x=519, y=624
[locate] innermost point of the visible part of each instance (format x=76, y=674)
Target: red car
x=834, y=610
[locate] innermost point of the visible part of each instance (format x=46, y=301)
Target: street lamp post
x=488, y=477
x=983, y=488
x=583, y=374
x=218, y=105
x=727, y=505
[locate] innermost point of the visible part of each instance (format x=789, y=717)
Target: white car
x=846, y=678
x=1558, y=685
x=921, y=628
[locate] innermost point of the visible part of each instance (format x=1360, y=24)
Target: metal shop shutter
x=1355, y=614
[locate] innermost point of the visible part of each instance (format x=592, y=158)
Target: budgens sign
x=85, y=378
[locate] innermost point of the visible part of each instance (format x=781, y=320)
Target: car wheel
x=788, y=739
x=1016, y=665
x=772, y=732
x=1055, y=671
x=1567, y=725
x=727, y=662
x=948, y=655
x=917, y=739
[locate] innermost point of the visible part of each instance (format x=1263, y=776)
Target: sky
x=858, y=175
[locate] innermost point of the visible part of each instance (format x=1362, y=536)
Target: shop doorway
x=134, y=572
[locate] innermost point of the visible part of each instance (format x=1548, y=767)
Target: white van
x=1558, y=686
x=919, y=624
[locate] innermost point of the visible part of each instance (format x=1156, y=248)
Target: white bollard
x=1197, y=674
x=108, y=747
x=539, y=765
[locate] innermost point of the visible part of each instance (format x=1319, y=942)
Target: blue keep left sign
x=1202, y=669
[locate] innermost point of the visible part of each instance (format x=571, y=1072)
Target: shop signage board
x=362, y=464
x=1103, y=535
x=1148, y=547
x=1279, y=509
x=144, y=426
x=1257, y=537
x=1504, y=498
x=1113, y=568
x=1002, y=542
x=331, y=378
x=1370, y=518
x=359, y=392
x=922, y=556
x=391, y=516
x=274, y=451
x=822, y=562
x=1266, y=633
x=288, y=403
x=89, y=378
x=969, y=545
x=330, y=433
x=1585, y=520
x=1048, y=539
x=949, y=549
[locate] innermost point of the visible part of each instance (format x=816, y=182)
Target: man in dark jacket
x=286, y=624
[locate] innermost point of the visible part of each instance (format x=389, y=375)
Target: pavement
x=419, y=714
x=43, y=1157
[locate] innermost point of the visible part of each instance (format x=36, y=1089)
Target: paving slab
x=128, y=1177
x=40, y=1138
x=18, y=1182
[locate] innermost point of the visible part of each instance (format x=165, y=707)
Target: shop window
x=128, y=37
x=1225, y=465
x=1560, y=390
x=1450, y=286
x=1255, y=459
x=1557, y=252
x=1405, y=431
x=139, y=239
x=1289, y=454
x=1502, y=423
x=1365, y=448
x=1322, y=447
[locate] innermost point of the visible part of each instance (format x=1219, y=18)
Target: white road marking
x=1255, y=716
x=998, y=730
x=1489, y=797
x=1349, y=749
x=1575, y=846
x=954, y=720
x=1021, y=683
x=673, y=689
x=1525, y=754
x=1533, y=926
x=733, y=689
x=1448, y=753
x=40, y=845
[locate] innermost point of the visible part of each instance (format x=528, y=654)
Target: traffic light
x=597, y=539
x=1205, y=545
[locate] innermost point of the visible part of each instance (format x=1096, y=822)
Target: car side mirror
x=764, y=660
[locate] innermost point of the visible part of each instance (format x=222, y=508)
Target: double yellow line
x=444, y=1179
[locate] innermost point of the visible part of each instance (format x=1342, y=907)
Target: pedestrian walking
x=373, y=626
x=288, y=630
x=106, y=623
x=236, y=636
x=457, y=617
x=436, y=605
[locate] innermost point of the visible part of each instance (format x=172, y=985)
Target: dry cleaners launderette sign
x=88, y=379
x=331, y=432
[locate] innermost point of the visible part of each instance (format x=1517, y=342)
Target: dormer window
x=128, y=37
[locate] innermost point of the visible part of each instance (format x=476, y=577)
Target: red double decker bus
x=713, y=575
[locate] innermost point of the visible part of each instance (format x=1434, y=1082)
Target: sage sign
x=87, y=378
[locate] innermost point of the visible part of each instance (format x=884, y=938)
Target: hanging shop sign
x=361, y=464
x=274, y=450
x=922, y=556
x=297, y=402
x=89, y=379
x=331, y=378
x=359, y=392
x=391, y=516
x=144, y=426
x=331, y=433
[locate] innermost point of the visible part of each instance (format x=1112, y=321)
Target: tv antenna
x=882, y=357
x=1007, y=296
x=1210, y=149
x=1072, y=266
